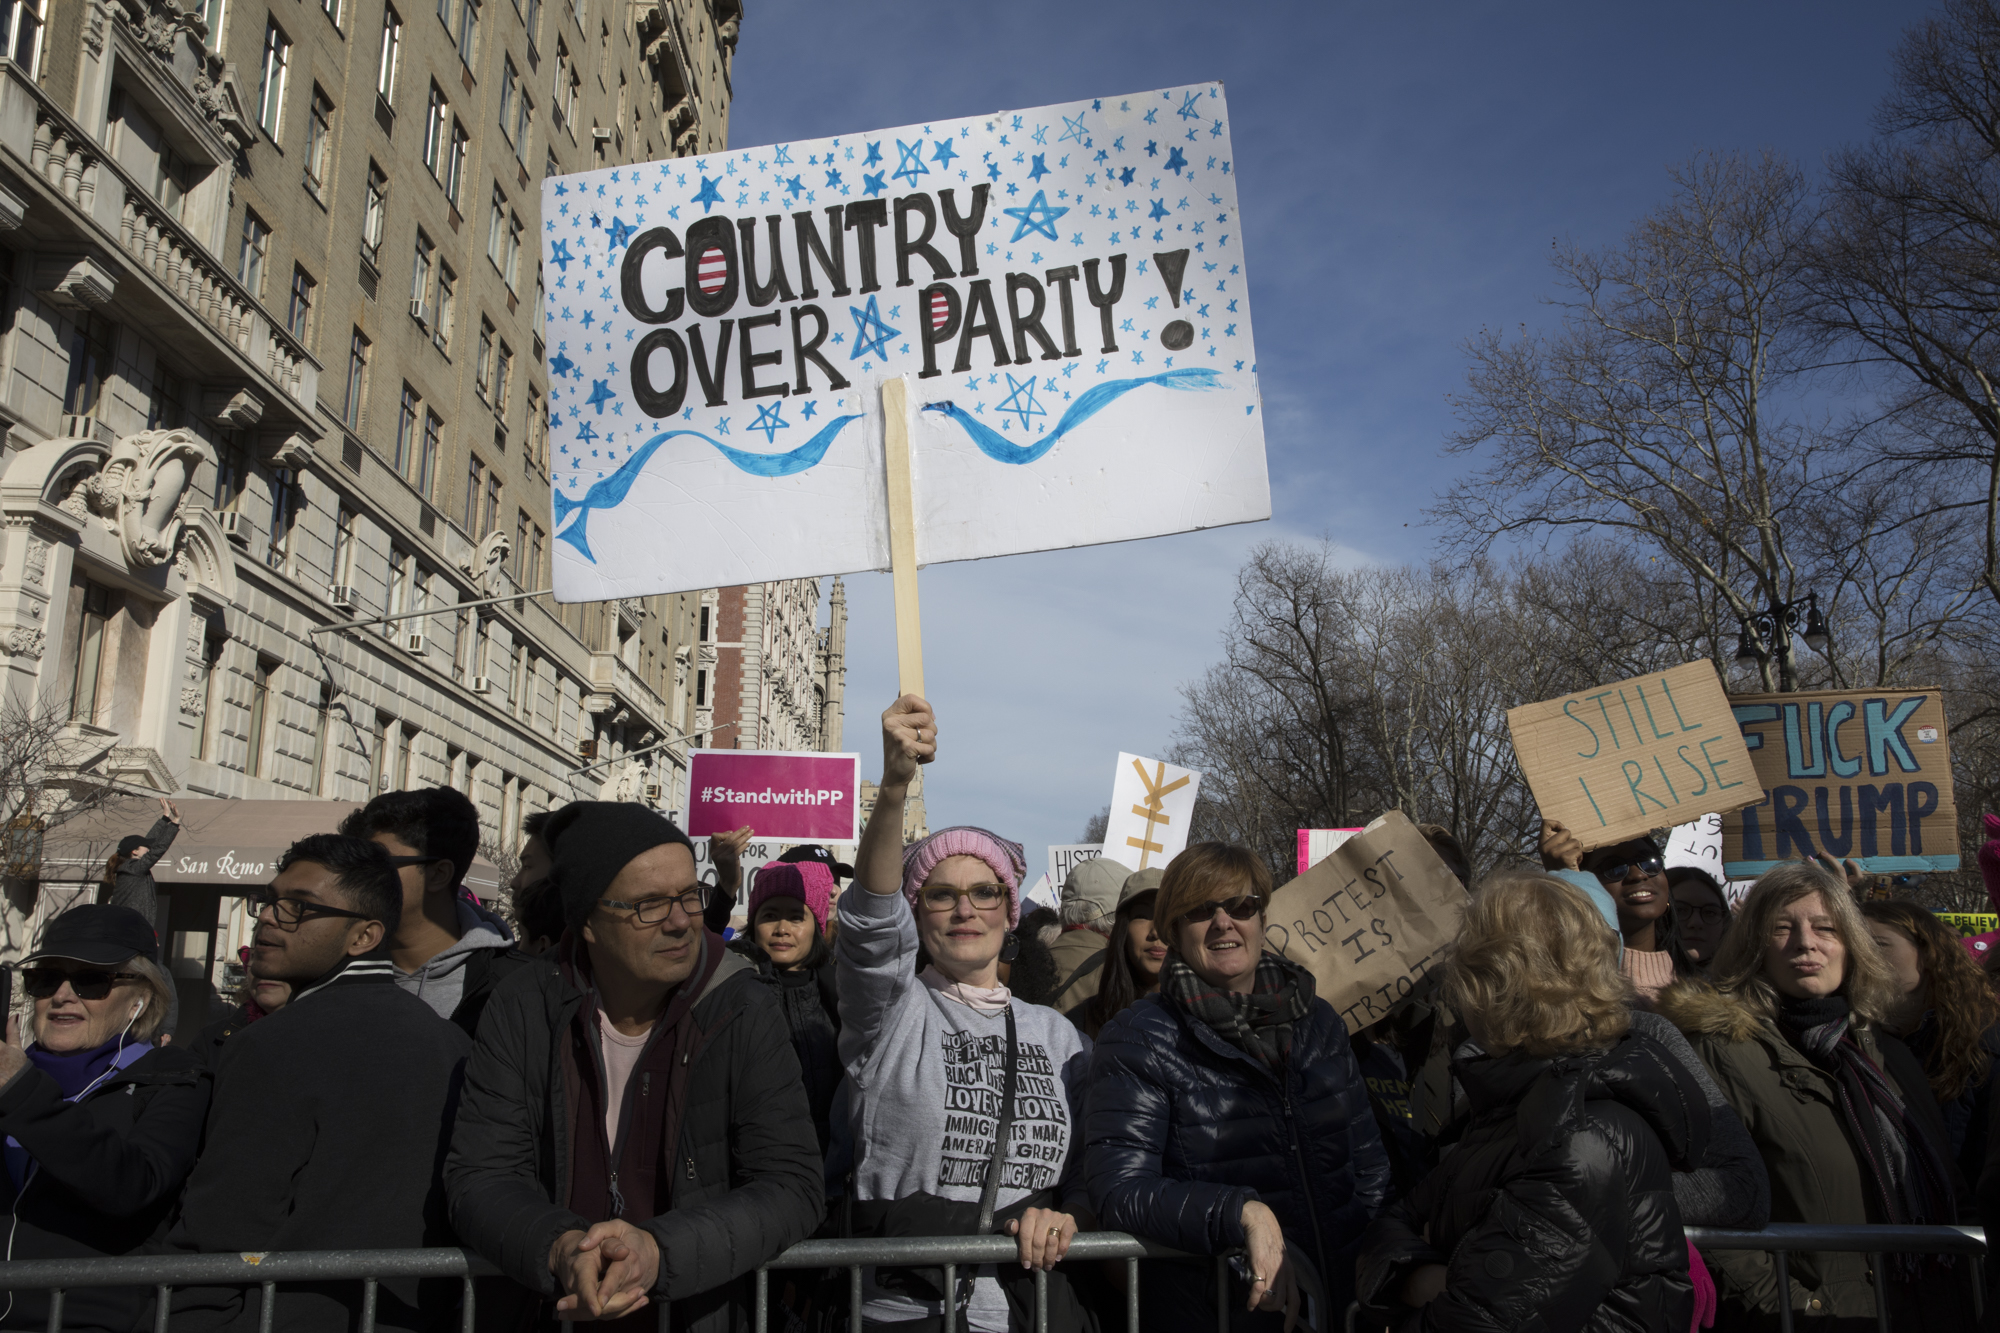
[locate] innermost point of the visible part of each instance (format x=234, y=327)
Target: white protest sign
x=1041, y=894
x=1063, y=857
x=1152, y=803
x=1063, y=289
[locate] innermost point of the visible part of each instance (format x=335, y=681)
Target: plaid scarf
x=1260, y=1023
x=1910, y=1181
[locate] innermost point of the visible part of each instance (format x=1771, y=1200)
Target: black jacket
x=1183, y=1129
x=107, y=1171
x=749, y=1181
x=484, y=972
x=133, y=885
x=327, y=1133
x=811, y=1004
x=1556, y=1209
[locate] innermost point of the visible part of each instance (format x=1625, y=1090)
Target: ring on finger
x=1055, y=1232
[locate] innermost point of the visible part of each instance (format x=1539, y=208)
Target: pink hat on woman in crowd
x=1006, y=858
x=808, y=881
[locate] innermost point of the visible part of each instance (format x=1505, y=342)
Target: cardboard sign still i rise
x=1062, y=288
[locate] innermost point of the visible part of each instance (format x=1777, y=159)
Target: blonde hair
x=158, y=990
x=1535, y=969
x=1739, y=964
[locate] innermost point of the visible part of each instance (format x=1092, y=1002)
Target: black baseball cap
x=97, y=933
x=812, y=851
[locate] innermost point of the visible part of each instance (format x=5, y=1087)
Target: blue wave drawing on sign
x=998, y=448
x=611, y=491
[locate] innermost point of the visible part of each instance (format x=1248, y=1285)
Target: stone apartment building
x=272, y=375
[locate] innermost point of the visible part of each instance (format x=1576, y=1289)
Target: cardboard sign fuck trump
x=1063, y=289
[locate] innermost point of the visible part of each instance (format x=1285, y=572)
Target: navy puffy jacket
x=1183, y=1129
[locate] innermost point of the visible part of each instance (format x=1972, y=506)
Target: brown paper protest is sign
x=1614, y=762
x=1864, y=774
x=1370, y=920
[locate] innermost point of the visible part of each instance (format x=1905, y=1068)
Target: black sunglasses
x=89, y=984
x=1616, y=872
x=1240, y=908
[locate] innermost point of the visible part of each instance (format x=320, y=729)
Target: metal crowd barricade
x=1781, y=1239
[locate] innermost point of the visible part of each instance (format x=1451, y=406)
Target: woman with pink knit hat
x=966, y=1100
x=787, y=944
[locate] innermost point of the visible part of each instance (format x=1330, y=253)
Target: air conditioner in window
x=653, y=791
x=237, y=527
x=482, y=684
x=419, y=311
x=341, y=596
x=586, y=749
x=413, y=642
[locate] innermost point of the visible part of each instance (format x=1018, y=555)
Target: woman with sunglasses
x=965, y=1099
x=101, y=1125
x=1226, y=1112
x=1133, y=961
x=1634, y=874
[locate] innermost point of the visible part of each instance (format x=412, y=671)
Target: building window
x=532, y=19
x=700, y=689
x=231, y=475
x=164, y=409
x=88, y=664
x=406, y=431
x=447, y=307
x=536, y=316
x=396, y=596
x=392, y=54
x=437, y=121
x=24, y=20
x=537, y=433
x=90, y=350
x=332, y=10
x=260, y=711
x=211, y=693
x=537, y=548
x=503, y=375
x=520, y=560
x=427, y=460
x=454, y=173
x=468, y=31
x=420, y=278
x=271, y=87
x=319, y=141
x=524, y=124
x=483, y=366
x=343, y=548
x=563, y=105
x=489, y=513
x=509, y=89
x=475, y=482
x=374, y=210
x=322, y=732
x=285, y=499
x=357, y=380
x=251, y=250
x=298, y=314
x=496, y=229
x=512, y=267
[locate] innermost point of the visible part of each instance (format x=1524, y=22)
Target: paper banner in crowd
x=1063, y=857
x=1152, y=804
x=759, y=853
x=1861, y=774
x=1620, y=760
x=1370, y=920
x=1063, y=287
x=1967, y=924
x=1042, y=893
x=805, y=796
x=1316, y=844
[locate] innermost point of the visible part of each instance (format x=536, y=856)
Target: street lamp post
x=1770, y=632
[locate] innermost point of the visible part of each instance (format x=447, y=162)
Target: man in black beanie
x=633, y=1128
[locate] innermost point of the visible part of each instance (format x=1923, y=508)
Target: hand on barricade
x=1561, y=849
x=606, y=1272
x=909, y=738
x=1272, y=1286
x=1045, y=1235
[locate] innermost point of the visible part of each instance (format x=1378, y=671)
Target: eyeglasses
x=1240, y=908
x=1615, y=874
x=655, y=910
x=92, y=984
x=289, y=913
x=944, y=898
x=1707, y=913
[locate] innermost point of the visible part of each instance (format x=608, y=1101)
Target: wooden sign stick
x=902, y=534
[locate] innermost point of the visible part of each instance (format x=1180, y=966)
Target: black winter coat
x=811, y=1003
x=107, y=1171
x=1556, y=1209
x=1183, y=1129
x=750, y=1183
x=484, y=972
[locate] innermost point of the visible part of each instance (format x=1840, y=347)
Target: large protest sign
x=1063, y=857
x=802, y=795
x=1152, y=804
x=1316, y=844
x=1968, y=924
x=1370, y=920
x=1614, y=762
x=1864, y=774
x=1062, y=289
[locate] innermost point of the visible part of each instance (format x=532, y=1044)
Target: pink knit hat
x=808, y=881
x=1006, y=858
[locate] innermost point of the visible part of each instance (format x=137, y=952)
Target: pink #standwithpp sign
x=801, y=795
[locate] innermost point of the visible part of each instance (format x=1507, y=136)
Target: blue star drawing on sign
x=911, y=163
x=1125, y=176
x=808, y=410
x=1037, y=217
x=1021, y=401
x=560, y=255
x=872, y=183
x=784, y=156
x=770, y=420
x=585, y=435
x=1189, y=111
x=833, y=179
x=1039, y=169
x=620, y=234
x=944, y=153
x=562, y=366
x=709, y=196
x=600, y=394
x=874, y=158
x=1072, y=129
x=795, y=187
x=1159, y=211
x=1175, y=162
x=871, y=335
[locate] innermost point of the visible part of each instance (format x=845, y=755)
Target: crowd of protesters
x=624, y=1103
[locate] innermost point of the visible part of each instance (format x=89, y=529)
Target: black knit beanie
x=591, y=841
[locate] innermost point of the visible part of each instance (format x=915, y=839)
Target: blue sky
x=1403, y=172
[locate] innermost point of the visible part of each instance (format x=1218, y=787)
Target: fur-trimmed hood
x=1698, y=1009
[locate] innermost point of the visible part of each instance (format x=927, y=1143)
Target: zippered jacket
x=1184, y=1129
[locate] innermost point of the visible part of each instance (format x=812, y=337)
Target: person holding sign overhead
x=966, y=1100
x=1633, y=876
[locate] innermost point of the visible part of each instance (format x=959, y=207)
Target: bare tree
x=42, y=787
x=1093, y=828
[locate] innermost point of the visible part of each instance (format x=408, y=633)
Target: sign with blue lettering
x=1864, y=774
x=1621, y=760
x=1063, y=289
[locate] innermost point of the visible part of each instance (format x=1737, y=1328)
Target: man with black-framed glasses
x=329, y=1117
x=635, y=1129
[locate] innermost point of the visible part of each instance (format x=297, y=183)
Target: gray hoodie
x=440, y=983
